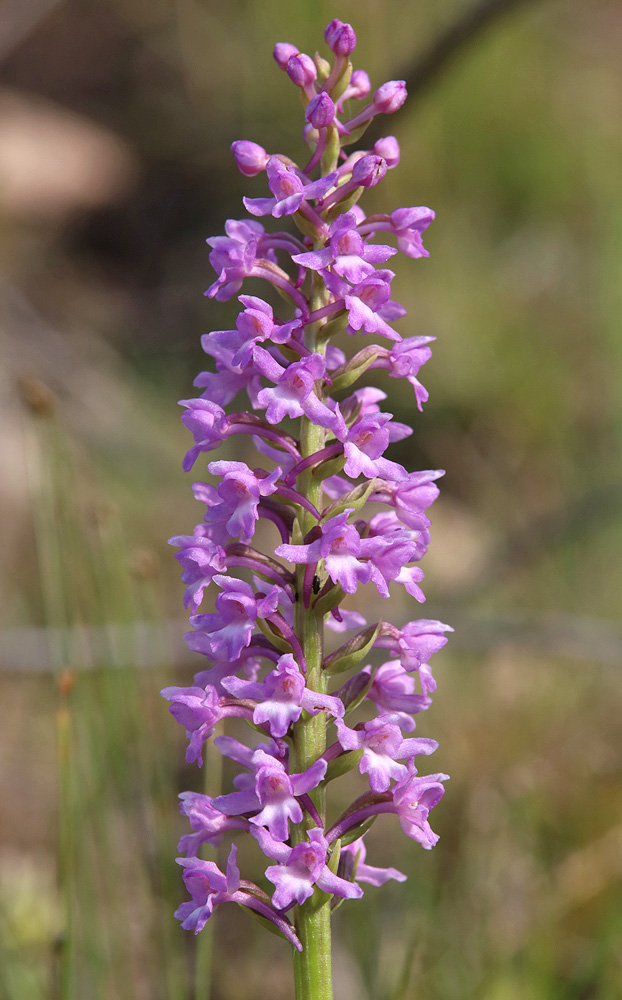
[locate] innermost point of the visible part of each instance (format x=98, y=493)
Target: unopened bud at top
x=250, y=158
x=340, y=37
x=390, y=97
x=301, y=70
x=320, y=111
x=369, y=171
x=282, y=52
x=388, y=148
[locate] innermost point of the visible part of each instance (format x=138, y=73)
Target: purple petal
x=236, y=803
x=315, y=259
x=259, y=206
x=328, y=882
x=310, y=778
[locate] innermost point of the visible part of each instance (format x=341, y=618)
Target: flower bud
x=340, y=37
x=369, y=171
x=388, y=148
x=250, y=158
x=390, y=97
x=301, y=70
x=320, y=111
x=359, y=84
x=283, y=51
x=323, y=66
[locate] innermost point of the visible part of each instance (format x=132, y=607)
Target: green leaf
x=329, y=601
x=330, y=468
x=275, y=637
x=317, y=900
x=344, y=763
x=344, y=204
x=352, y=371
x=357, y=831
x=334, y=326
x=353, y=693
x=330, y=157
x=333, y=861
x=296, y=533
x=307, y=229
x=342, y=83
x=355, y=498
x=352, y=652
x=355, y=135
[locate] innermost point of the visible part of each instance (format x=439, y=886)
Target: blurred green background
x=116, y=118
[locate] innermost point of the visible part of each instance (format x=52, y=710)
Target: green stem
x=312, y=966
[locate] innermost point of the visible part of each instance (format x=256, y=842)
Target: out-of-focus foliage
x=115, y=122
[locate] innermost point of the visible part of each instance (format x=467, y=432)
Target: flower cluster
x=315, y=477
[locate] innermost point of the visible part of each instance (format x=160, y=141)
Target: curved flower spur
x=264, y=643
